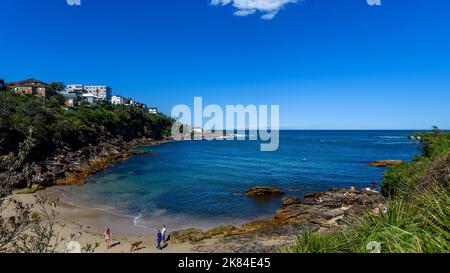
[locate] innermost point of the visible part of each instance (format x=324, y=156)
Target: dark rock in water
x=385, y=163
x=263, y=192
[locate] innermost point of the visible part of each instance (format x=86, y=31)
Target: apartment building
x=101, y=92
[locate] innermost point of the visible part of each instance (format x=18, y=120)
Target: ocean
x=202, y=183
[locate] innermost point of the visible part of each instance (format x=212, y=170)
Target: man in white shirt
x=163, y=233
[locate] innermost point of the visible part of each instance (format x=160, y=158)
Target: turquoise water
x=201, y=183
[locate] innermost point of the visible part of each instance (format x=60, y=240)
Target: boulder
x=222, y=230
x=259, y=191
x=72, y=179
x=188, y=236
x=289, y=201
x=111, y=152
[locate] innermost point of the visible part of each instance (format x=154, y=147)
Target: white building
x=74, y=88
x=153, y=110
x=117, y=100
x=101, y=92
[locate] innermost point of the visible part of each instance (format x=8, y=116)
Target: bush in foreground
x=419, y=226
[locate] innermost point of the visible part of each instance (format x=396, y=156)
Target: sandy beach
x=73, y=219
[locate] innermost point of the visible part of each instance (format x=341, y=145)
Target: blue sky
x=329, y=64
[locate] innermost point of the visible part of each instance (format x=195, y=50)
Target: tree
x=23, y=231
x=2, y=85
x=14, y=165
x=57, y=86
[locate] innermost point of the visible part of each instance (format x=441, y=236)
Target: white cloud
x=245, y=12
x=269, y=8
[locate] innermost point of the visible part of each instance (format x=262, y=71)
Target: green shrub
x=402, y=179
x=435, y=143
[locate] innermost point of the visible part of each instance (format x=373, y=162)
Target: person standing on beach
x=158, y=240
x=107, y=235
x=163, y=234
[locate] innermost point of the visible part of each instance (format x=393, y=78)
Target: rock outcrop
x=316, y=212
x=189, y=235
x=193, y=235
x=259, y=191
x=286, y=202
x=385, y=163
x=73, y=167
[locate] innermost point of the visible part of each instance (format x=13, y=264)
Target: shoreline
x=69, y=167
x=127, y=222
x=334, y=210
x=72, y=219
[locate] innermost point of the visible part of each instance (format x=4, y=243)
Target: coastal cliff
x=44, y=143
x=73, y=167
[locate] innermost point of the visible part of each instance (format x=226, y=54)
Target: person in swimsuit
x=107, y=235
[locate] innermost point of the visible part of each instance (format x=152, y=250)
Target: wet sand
x=72, y=220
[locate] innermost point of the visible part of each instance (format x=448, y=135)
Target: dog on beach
x=135, y=246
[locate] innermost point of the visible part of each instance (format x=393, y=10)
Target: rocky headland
x=70, y=167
